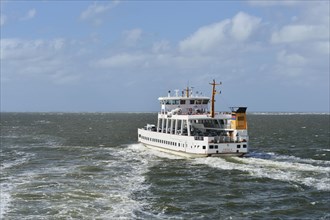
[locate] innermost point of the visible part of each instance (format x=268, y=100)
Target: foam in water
x=289, y=171
x=8, y=183
x=5, y=198
x=148, y=151
x=136, y=159
x=299, y=160
x=110, y=195
x=129, y=181
x=20, y=158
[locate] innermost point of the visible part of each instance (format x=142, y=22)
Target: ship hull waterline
x=191, y=155
x=190, y=146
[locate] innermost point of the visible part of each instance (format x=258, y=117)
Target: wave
x=5, y=198
x=20, y=158
x=10, y=160
x=151, y=152
x=274, y=156
x=105, y=184
x=302, y=171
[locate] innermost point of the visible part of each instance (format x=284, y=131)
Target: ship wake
x=295, y=170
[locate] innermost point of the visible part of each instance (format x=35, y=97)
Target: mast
x=213, y=94
x=187, y=91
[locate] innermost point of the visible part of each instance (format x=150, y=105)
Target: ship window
x=205, y=101
x=182, y=102
x=211, y=146
x=176, y=102
x=204, y=147
x=192, y=102
x=244, y=145
x=198, y=102
x=238, y=146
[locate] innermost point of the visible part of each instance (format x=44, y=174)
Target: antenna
x=176, y=92
x=187, y=90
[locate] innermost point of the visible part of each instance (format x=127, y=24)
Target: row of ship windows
x=161, y=141
x=216, y=146
x=183, y=102
x=168, y=142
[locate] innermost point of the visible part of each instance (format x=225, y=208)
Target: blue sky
x=104, y=56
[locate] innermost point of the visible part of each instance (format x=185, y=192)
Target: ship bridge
x=188, y=104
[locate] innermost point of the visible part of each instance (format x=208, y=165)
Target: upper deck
x=188, y=104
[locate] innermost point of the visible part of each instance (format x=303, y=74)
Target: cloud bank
x=249, y=51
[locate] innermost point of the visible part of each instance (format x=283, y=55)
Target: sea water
x=90, y=166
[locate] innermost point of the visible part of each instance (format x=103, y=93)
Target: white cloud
x=42, y=59
x=300, y=33
x=316, y=13
x=58, y=43
x=30, y=14
x=14, y=49
x=322, y=47
x=161, y=46
x=310, y=25
x=18, y=49
x=132, y=36
x=242, y=50
x=121, y=60
x=211, y=37
x=292, y=60
x=243, y=25
x=95, y=11
x=205, y=38
x=303, y=44
x=270, y=3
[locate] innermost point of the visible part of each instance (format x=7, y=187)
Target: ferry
x=187, y=127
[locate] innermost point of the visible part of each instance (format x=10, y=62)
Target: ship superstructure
x=186, y=126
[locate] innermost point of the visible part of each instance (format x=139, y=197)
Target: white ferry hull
x=191, y=156
x=189, y=147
